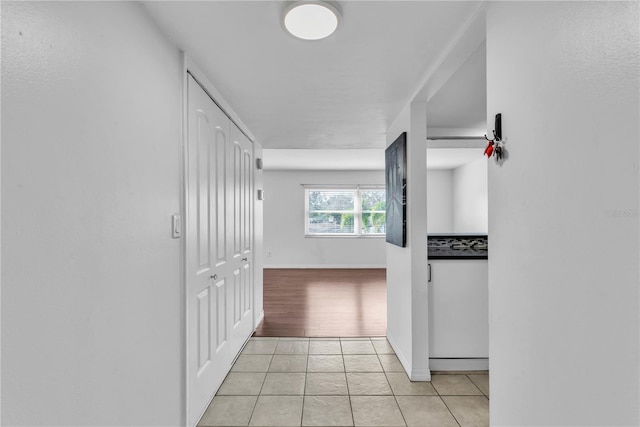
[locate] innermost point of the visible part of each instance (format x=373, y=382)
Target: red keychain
x=489, y=150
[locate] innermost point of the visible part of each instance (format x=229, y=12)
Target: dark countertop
x=457, y=246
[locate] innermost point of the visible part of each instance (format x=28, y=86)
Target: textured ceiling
x=340, y=92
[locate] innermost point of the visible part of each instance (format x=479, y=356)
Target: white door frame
x=258, y=237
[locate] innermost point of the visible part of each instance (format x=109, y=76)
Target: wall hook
x=497, y=128
x=497, y=131
x=494, y=148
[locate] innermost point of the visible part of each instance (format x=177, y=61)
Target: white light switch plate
x=176, y=226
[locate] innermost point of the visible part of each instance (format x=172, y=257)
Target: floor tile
x=242, y=384
x=275, y=378
x=292, y=347
x=325, y=347
x=481, y=381
x=228, y=411
x=390, y=363
x=324, y=339
x=357, y=347
x=355, y=339
x=325, y=363
x=277, y=411
x=454, y=385
x=470, y=411
x=401, y=385
x=260, y=347
x=327, y=411
x=376, y=411
x=283, y=384
x=362, y=363
x=368, y=383
x=326, y=383
x=425, y=411
x=288, y=363
x=252, y=363
x=382, y=346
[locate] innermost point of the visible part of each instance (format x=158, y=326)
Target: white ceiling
x=340, y=92
x=462, y=101
x=323, y=159
x=360, y=159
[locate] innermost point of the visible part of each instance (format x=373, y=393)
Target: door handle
x=428, y=273
x=214, y=277
x=244, y=259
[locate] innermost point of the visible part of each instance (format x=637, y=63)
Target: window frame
x=357, y=212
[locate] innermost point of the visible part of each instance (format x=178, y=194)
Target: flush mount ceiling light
x=311, y=20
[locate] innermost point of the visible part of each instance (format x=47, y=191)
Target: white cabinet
x=458, y=309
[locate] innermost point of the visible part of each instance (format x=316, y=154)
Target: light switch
x=260, y=195
x=176, y=226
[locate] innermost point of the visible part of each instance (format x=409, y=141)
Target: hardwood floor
x=324, y=303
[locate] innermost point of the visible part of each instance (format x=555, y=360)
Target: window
x=345, y=211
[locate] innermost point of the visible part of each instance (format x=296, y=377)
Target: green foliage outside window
x=335, y=211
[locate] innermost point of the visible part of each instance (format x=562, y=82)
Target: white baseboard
x=438, y=364
x=479, y=364
x=399, y=354
x=420, y=374
x=354, y=266
x=413, y=374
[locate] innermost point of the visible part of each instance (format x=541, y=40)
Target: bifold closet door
x=210, y=265
x=240, y=206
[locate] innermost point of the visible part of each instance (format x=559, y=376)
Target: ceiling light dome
x=311, y=20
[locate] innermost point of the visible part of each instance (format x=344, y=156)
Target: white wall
x=471, y=198
x=284, y=242
x=407, y=299
x=563, y=220
x=439, y=201
x=457, y=199
x=284, y=219
x=91, y=154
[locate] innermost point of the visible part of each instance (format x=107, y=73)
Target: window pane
x=373, y=200
x=331, y=200
x=330, y=223
x=374, y=223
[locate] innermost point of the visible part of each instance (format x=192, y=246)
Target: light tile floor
x=341, y=382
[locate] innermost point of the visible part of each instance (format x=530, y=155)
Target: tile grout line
x=448, y=409
x=393, y=393
x=263, y=381
x=473, y=382
x=304, y=389
x=346, y=380
x=287, y=395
